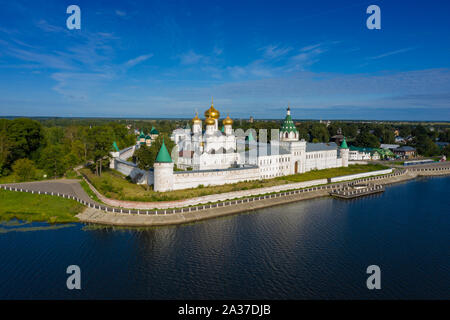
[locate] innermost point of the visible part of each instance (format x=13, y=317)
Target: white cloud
x=137, y=60
x=190, y=57
x=120, y=13
x=275, y=51
x=390, y=53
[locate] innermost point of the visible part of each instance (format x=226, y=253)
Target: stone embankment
x=103, y=214
x=247, y=204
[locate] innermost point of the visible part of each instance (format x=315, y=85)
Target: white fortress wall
x=360, y=175
x=130, y=169
x=126, y=153
x=357, y=162
x=274, y=166
x=318, y=160
x=192, y=179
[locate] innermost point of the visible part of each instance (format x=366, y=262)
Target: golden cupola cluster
x=212, y=112
x=212, y=115
x=210, y=121
x=196, y=119
x=227, y=121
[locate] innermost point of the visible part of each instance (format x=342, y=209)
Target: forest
x=32, y=149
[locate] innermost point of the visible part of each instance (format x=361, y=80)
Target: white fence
x=329, y=187
x=360, y=175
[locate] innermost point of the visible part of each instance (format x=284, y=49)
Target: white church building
x=212, y=156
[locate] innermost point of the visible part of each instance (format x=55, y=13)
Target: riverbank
x=206, y=207
x=91, y=215
x=37, y=208
x=113, y=188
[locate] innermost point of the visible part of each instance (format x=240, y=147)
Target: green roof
x=154, y=131
x=250, y=137
x=115, y=146
x=361, y=149
x=223, y=129
x=344, y=144
x=163, y=154
x=142, y=135
x=288, y=125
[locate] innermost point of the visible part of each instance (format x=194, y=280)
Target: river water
x=311, y=249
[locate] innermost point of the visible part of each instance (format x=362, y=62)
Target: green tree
x=319, y=132
x=24, y=169
x=444, y=136
x=146, y=156
x=54, y=135
x=446, y=151
x=367, y=140
x=53, y=161
x=26, y=136
x=425, y=146
x=5, y=146
x=100, y=140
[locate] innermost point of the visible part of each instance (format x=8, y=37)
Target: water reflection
x=311, y=249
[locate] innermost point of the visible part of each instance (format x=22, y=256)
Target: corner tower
x=163, y=170
x=344, y=152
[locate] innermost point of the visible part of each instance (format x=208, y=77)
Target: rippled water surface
x=311, y=249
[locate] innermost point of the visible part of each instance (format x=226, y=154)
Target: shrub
x=24, y=170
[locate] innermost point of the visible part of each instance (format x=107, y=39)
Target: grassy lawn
x=89, y=191
x=114, y=185
x=37, y=207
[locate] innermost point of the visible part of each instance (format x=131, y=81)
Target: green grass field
x=114, y=185
x=333, y=172
x=36, y=207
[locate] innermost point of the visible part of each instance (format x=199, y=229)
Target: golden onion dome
x=212, y=112
x=196, y=119
x=210, y=121
x=227, y=121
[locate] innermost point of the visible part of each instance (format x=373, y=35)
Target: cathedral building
x=213, y=156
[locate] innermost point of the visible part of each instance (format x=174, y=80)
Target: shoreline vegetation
x=37, y=208
x=114, y=185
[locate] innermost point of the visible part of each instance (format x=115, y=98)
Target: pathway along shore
x=91, y=215
x=97, y=213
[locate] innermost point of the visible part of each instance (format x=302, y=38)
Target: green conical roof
x=154, y=131
x=222, y=129
x=250, y=137
x=115, y=146
x=288, y=125
x=163, y=154
x=142, y=135
x=344, y=144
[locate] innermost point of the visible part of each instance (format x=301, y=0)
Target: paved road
x=69, y=187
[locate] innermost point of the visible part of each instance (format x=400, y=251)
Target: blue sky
x=167, y=58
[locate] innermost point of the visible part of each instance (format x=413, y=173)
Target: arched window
x=286, y=135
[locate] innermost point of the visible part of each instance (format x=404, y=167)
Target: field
x=35, y=207
x=114, y=185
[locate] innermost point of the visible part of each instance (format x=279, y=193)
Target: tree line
x=55, y=145
x=27, y=145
